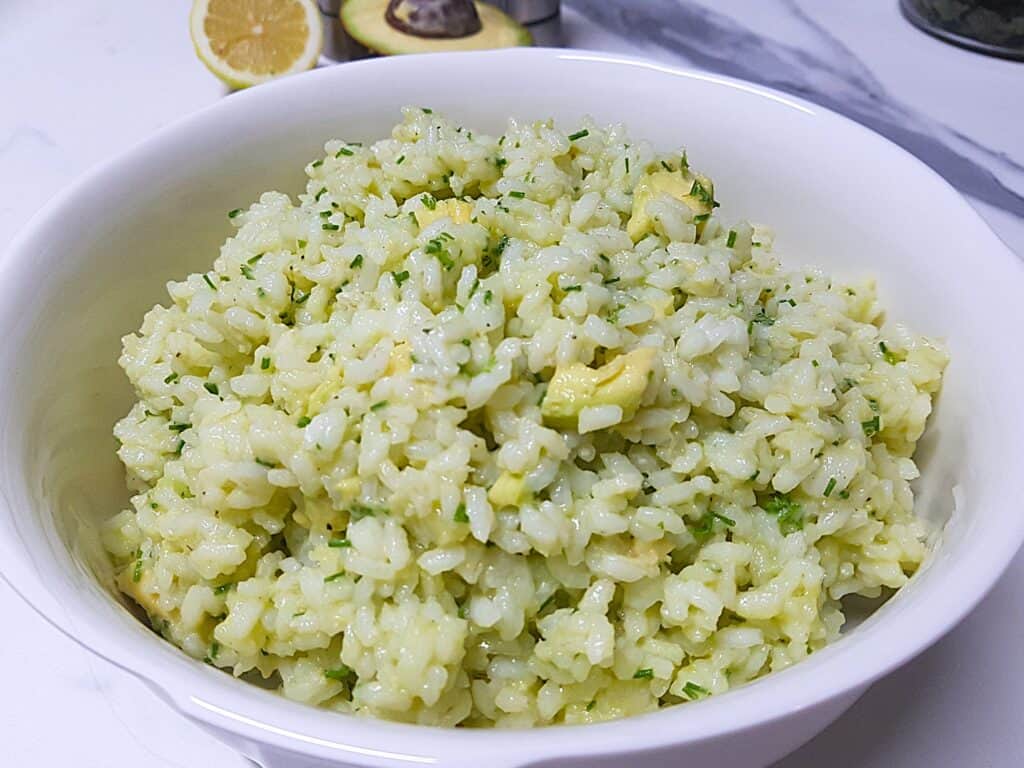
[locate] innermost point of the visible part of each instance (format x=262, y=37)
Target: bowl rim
x=213, y=698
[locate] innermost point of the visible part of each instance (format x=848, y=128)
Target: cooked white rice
x=379, y=462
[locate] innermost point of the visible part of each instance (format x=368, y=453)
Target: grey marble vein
x=826, y=71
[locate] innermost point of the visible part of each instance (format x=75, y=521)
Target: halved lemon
x=245, y=42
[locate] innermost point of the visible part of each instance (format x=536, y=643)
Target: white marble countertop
x=84, y=80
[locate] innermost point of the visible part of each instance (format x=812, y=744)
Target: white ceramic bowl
x=85, y=270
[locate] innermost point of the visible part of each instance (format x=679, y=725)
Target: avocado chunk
x=405, y=26
x=459, y=211
x=434, y=18
x=696, y=191
x=509, y=490
x=577, y=386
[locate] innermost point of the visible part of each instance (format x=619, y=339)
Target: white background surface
x=83, y=80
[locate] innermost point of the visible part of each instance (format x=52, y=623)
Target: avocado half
x=367, y=22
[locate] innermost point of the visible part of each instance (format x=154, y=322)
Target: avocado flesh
x=365, y=22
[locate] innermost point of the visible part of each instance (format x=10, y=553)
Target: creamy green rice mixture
x=513, y=431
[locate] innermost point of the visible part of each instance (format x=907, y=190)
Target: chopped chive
x=666, y=166
x=246, y=271
x=611, y=281
x=888, y=354
x=694, y=691
x=214, y=649
x=460, y=514
x=700, y=217
x=178, y=427
x=718, y=516
x=264, y=363
x=178, y=449
x=643, y=674
x=173, y=377
x=265, y=463
x=345, y=151
x=815, y=363
x=255, y=258
x=844, y=494
x=233, y=213
x=579, y=135
x=137, y=571
x=333, y=577
x=356, y=262
x=488, y=297
x=627, y=164
x=330, y=227
x=684, y=164
x=339, y=543
x=318, y=163
x=830, y=487
x=517, y=194
x=400, y=160
x=341, y=674
x=755, y=244
x=209, y=282
x=591, y=704
x=428, y=200
x=871, y=427
x=359, y=511
x=400, y=277
x=427, y=110
x=301, y=298
x=260, y=292
x=321, y=193
x=303, y=421
x=212, y=388
x=571, y=288
x=326, y=214
x=378, y=406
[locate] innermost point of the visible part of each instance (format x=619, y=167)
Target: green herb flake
x=171, y=379
x=611, y=281
x=627, y=164
x=179, y=448
x=178, y=427
x=341, y=674
x=329, y=227
x=788, y=512
x=209, y=282
x=246, y=271
x=400, y=160
x=460, y=514
x=579, y=135
x=260, y=292
x=666, y=166
x=830, y=487
x=400, y=277
x=333, y=577
x=378, y=406
x=304, y=421
x=428, y=200
x=488, y=296
x=357, y=262
x=643, y=674
x=255, y=258
x=591, y=704
x=265, y=463
x=359, y=511
x=214, y=649
x=137, y=570
x=519, y=195
x=684, y=163
x=321, y=193
x=233, y=213
x=844, y=494
x=212, y=388
x=345, y=151
x=726, y=520
x=264, y=363
x=339, y=543
x=871, y=426
x=888, y=354
x=427, y=110
x=693, y=691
